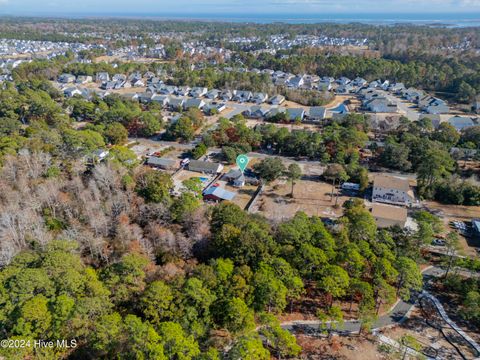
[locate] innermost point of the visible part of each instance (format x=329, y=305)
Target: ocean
x=449, y=20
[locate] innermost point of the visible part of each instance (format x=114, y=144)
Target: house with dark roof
x=162, y=163
x=205, y=167
x=194, y=104
x=276, y=100
x=317, y=113
x=294, y=114
x=461, y=122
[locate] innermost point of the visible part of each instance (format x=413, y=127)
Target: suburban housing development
x=239, y=190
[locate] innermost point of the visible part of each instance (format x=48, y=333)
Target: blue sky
x=160, y=7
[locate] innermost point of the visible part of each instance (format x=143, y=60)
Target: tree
x=199, y=151
x=176, y=344
x=334, y=282
x=151, y=123
x=156, y=302
x=248, y=347
x=142, y=341
x=451, y=245
x=270, y=169
x=154, y=186
x=116, y=133
x=409, y=277
x=281, y=341
x=238, y=317
x=333, y=173
x=471, y=306
x=294, y=173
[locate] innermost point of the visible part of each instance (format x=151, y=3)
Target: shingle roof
x=389, y=212
x=391, y=182
x=219, y=193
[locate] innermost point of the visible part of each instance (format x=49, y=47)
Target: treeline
x=418, y=148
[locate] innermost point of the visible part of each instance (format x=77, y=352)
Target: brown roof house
x=392, y=190
x=387, y=216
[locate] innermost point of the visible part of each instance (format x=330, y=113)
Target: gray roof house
x=198, y=92
x=461, y=122
x=295, y=113
x=194, y=103
x=259, y=98
x=242, y=96
x=176, y=103
x=205, y=167
x=381, y=105
x=212, y=94
x=256, y=112
x=162, y=163
x=83, y=79
x=66, y=78
x=102, y=76
x=276, y=100
x=160, y=99
x=226, y=95
x=317, y=113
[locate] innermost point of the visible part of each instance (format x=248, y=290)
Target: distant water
x=450, y=20
x=437, y=19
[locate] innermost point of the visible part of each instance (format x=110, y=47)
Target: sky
x=191, y=7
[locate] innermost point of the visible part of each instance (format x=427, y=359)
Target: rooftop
x=391, y=182
x=389, y=212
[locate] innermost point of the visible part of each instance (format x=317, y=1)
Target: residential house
x=296, y=82
x=198, y=92
x=212, y=94
x=317, y=113
x=102, y=77
x=242, y=96
x=218, y=194
x=66, y=78
x=343, y=81
x=226, y=95
x=84, y=79
x=205, y=167
x=360, y=82
x=183, y=91
x=387, y=216
x=256, y=112
x=119, y=77
x=276, y=100
x=163, y=163
x=413, y=95
x=259, y=98
x=71, y=91
x=294, y=114
x=176, y=104
x=138, y=83
x=392, y=190
x=381, y=105
x=396, y=88
x=433, y=105
x=345, y=89
x=461, y=122
x=194, y=104
x=163, y=100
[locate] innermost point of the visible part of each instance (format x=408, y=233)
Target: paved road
x=395, y=316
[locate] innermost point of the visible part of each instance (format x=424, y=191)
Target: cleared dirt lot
x=311, y=197
x=450, y=213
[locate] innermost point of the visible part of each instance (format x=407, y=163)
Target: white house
x=392, y=190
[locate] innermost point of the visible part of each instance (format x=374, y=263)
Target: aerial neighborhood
x=243, y=190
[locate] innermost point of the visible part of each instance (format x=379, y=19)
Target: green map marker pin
x=242, y=162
